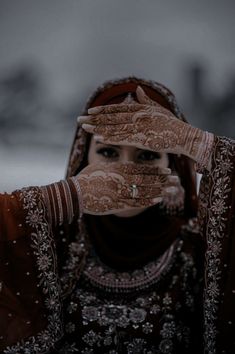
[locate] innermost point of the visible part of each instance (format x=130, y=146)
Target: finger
x=89, y=128
x=108, y=119
x=140, y=192
x=143, y=98
x=153, y=191
x=116, y=140
x=147, y=101
x=140, y=203
x=114, y=137
x=116, y=108
x=136, y=173
x=137, y=169
x=173, y=181
x=83, y=119
x=148, y=180
x=171, y=190
x=114, y=133
x=129, y=204
x=108, y=131
x=173, y=185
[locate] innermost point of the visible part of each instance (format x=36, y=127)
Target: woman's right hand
x=107, y=188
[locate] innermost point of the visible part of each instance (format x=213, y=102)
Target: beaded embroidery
x=44, y=250
x=116, y=321
x=104, y=277
x=212, y=214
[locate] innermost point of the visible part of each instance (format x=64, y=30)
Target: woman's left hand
x=146, y=125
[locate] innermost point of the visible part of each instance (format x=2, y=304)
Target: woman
x=132, y=274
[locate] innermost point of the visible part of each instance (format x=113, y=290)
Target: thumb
x=143, y=98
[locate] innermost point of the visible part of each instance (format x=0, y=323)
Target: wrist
x=77, y=194
x=198, y=146
x=204, y=153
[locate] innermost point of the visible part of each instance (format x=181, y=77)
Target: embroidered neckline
x=42, y=244
x=108, y=279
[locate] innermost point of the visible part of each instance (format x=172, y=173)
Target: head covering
x=115, y=91
x=130, y=242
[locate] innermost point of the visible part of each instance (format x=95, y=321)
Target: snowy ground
x=32, y=167
x=21, y=166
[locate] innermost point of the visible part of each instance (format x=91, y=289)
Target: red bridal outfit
x=153, y=283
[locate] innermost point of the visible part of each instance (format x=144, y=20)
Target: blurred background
x=53, y=54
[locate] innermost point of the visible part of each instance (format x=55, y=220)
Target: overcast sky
x=80, y=43
x=77, y=44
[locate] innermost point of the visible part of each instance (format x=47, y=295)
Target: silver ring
x=134, y=190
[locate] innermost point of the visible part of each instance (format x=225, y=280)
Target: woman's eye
x=109, y=153
x=148, y=156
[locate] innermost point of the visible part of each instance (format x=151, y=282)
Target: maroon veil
x=131, y=242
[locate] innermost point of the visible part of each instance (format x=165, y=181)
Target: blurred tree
x=207, y=109
x=27, y=114
x=223, y=111
x=20, y=93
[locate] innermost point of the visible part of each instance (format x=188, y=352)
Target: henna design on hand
x=150, y=126
x=106, y=187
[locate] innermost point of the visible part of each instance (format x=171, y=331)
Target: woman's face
x=100, y=152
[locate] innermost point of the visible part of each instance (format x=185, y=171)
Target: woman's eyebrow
x=115, y=146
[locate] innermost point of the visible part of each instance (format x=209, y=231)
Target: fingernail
x=166, y=170
x=94, y=110
x=173, y=178
x=82, y=119
x=171, y=189
x=88, y=127
x=139, y=88
x=98, y=138
x=157, y=200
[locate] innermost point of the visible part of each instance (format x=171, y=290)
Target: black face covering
x=129, y=243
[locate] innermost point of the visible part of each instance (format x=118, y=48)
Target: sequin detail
x=104, y=277
x=44, y=250
x=213, y=212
